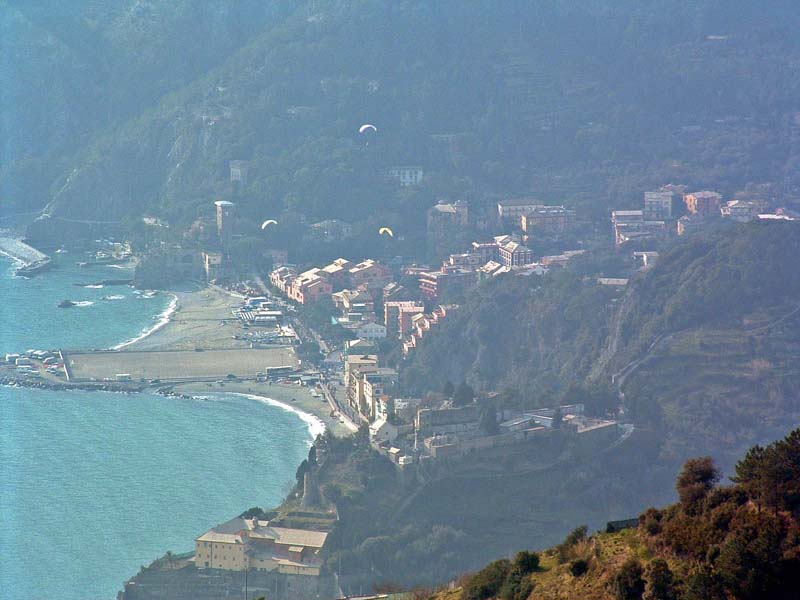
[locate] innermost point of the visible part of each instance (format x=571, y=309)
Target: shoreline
x=199, y=319
x=285, y=396
x=164, y=318
x=202, y=319
x=315, y=425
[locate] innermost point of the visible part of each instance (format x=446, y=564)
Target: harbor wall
x=19, y=250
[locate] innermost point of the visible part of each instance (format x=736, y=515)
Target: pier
x=32, y=259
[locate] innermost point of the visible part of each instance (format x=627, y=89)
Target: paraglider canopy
x=268, y=222
x=386, y=231
x=367, y=127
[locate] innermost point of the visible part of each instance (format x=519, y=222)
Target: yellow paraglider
x=386, y=230
x=267, y=223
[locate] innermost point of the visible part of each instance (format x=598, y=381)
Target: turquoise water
x=93, y=485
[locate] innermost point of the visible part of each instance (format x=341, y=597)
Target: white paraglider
x=386, y=231
x=268, y=222
x=367, y=127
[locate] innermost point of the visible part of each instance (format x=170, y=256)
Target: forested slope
x=719, y=542
x=705, y=354
x=576, y=103
x=72, y=70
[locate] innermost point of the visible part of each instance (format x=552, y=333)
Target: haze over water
x=93, y=485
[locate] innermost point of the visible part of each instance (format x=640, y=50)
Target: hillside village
x=503, y=268
x=379, y=310
x=354, y=323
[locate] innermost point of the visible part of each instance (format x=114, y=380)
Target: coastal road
x=345, y=413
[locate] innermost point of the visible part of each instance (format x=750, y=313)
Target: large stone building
x=509, y=211
x=513, y=254
x=743, y=211
x=213, y=265
x=166, y=265
x=407, y=175
x=332, y=230
x=629, y=225
x=658, y=205
x=703, y=204
x=226, y=219
x=250, y=544
x=445, y=215
x=550, y=219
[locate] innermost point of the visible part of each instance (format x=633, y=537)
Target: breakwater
x=32, y=259
x=20, y=251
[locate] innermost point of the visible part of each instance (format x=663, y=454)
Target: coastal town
x=335, y=300
x=263, y=335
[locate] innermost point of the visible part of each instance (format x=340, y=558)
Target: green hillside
x=575, y=103
x=703, y=346
x=729, y=542
x=73, y=70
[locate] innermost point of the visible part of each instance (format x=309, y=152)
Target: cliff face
x=162, y=270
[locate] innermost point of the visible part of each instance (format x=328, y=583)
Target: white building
x=239, y=171
x=658, y=205
x=382, y=431
x=371, y=331
x=743, y=211
x=512, y=210
x=407, y=175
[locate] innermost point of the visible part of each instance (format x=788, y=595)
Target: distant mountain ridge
x=580, y=102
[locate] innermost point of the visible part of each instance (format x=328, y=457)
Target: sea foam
x=316, y=426
x=163, y=319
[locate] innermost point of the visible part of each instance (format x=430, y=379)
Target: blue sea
x=94, y=485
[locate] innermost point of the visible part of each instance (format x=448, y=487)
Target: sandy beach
x=203, y=319
x=294, y=396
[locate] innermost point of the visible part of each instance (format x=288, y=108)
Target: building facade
x=551, y=219
x=743, y=211
x=369, y=273
x=212, y=265
x=436, y=284
x=226, y=218
x=333, y=230
x=703, y=204
x=658, y=205
x=251, y=544
x=407, y=175
x=514, y=254
x=444, y=216
x=371, y=331
x=238, y=170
